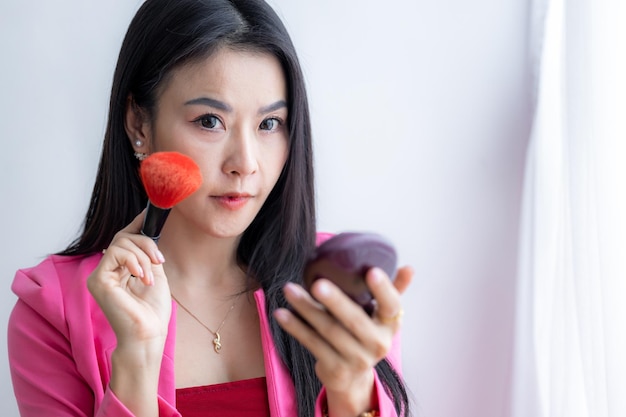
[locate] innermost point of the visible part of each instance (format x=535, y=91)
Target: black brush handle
x=154, y=221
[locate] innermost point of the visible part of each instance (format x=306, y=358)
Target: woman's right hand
x=131, y=288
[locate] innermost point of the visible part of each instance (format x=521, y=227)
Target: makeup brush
x=169, y=178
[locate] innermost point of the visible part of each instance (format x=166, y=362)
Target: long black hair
x=163, y=35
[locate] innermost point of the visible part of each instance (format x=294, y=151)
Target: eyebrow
x=272, y=107
x=211, y=102
x=220, y=105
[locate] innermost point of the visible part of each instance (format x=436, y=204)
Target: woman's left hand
x=345, y=341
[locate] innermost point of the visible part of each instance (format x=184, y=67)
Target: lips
x=233, y=201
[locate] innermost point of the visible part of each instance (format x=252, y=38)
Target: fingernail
x=293, y=289
x=150, y=278
x=377, y=275
x=140, y=272
x=281, y=315
x=160, y=256
x=322, y=289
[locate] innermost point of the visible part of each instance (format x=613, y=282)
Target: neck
x=198, y=262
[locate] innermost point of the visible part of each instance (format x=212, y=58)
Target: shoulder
x=322, y=237
x=47, y=286
x=54, y=273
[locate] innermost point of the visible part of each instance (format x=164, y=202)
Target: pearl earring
x=141, y=156
x=138, y=143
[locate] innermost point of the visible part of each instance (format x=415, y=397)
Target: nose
x=241, y=154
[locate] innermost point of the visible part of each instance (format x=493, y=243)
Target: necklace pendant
x=217, y=345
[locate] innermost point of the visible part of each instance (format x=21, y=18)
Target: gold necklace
x=217, y=341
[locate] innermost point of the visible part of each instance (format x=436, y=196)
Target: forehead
x=229, y=73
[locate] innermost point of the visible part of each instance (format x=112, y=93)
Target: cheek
x=281, y=160
x=174, y=134
x=273, y=165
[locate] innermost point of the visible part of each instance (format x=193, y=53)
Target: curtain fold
x=570, y=351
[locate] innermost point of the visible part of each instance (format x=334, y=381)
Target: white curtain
x=570, y=348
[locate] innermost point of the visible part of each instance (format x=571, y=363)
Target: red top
x=245, y=398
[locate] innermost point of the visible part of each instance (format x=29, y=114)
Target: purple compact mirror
x=345, y=258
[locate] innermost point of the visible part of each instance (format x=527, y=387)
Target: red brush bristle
x=169, y=178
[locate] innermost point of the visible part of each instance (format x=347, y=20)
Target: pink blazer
x=60, y=346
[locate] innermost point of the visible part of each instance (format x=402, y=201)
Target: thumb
x=404, y=276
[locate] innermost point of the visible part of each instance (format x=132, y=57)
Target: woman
x=198, y=325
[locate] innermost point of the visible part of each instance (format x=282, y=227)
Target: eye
x=208, y=121
x=271, y=123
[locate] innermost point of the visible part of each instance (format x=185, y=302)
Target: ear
x=137, y=126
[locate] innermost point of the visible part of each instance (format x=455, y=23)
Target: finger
x=363, y=331
x=332, y=330
x=147, y=245
x=124, y=260
x=388, y=306
x=141, y=247
x=404, y=276
x=341, y=307
x=144, y=247
x=383, y=290
x=305, y=334
x=330, y=365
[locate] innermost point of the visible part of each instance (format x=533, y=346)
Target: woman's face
x=229, y=113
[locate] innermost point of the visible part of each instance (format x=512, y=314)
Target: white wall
x=420, y=113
